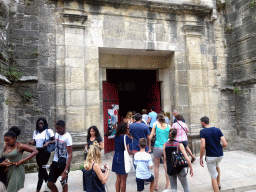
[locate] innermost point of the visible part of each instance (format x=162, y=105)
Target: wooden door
x=154, y=97
x=110, y=100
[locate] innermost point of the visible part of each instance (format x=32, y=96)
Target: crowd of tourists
x=137, y=136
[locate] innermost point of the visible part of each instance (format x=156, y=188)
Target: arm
x=86, y=148
x=130, y=152
x=224, y=142
x=182, y=149
x=24, y=147
x=149, y=119
x=32, y=142
x=103, y=178
x=70, y=150
x=47, y=143
x=150, y=138
x=101, y=145
x=202, y=150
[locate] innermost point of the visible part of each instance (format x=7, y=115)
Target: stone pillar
x=197, y=83
x=74, y=72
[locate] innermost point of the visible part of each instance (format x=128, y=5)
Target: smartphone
x=7, y=160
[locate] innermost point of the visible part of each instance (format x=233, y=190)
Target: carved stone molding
x=73, y=20
x=193, y=30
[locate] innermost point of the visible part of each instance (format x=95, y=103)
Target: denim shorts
x=158, y=152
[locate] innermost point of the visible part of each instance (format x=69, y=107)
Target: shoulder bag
x=178, y=161
x=51, y=146
x=128, y=161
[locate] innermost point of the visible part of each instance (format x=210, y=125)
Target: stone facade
x=64, y=48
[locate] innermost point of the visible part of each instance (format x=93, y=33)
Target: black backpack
x=178, y=161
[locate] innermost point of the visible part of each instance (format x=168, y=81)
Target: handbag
x=51, y=146
x=128, y=160
x=178, y=161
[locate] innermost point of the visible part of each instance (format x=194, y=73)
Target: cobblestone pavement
x=238, y=170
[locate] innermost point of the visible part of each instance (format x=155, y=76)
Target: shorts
x=212, y=164
x=185, y=143
x=158, y=152
x=140, y=182
x=55, y=172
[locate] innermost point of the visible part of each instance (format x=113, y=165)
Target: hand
x=106, y=167
x=45, y=145
x=19, y=163
x=191, y=173
x=202, y=162
x=63, y=175
x=6, y=163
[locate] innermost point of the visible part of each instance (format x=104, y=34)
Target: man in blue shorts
x=210, y=141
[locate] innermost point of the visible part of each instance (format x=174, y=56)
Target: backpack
x=178, y=161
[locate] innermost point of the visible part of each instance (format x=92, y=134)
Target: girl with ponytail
x=161, y=129
x=168, y=148
x=93, y=177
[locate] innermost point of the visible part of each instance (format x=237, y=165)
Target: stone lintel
x=157, y=5
x=73, y=20
x=193, y=30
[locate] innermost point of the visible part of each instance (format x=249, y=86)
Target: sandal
x=219, y=187
x=156, y=189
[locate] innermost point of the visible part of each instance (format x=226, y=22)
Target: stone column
x=198, y=84
x=74, y=73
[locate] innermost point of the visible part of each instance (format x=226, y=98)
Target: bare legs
x=53, y=187
x=156, y=170
x=121, y=183
x=152, y=186
x=216, y=182
x=190, y=153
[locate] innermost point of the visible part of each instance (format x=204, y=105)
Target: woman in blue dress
x=118, y=159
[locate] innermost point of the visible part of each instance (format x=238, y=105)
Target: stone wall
x=241, y=17
x=63, y=49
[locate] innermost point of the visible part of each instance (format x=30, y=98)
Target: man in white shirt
x=62, y=158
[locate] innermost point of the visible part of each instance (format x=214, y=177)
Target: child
x=143, y=163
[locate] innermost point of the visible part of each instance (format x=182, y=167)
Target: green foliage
x=81, y=167
x=35, y=53
x=252, y=3
x=13, y=74
x=27, y=2
x=221, y=5
x=6, y=101
x=229, y=29
x=27, y=96
x=237, y=91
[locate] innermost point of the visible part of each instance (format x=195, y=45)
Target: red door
x=154, y=97
x=110, y=103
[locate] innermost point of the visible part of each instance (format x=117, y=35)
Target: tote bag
x=128, y=160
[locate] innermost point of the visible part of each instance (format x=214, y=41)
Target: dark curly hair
x=122, y=127
x=45, y=125
x=13, y=132
x=97, y=133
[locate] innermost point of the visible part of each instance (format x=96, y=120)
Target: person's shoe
x=193, y=159
x=161, y=161
x=219, y=187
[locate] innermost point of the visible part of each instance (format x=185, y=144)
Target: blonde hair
x=129, y=115
x=93, y=156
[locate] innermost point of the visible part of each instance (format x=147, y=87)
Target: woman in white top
x=41, y=134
